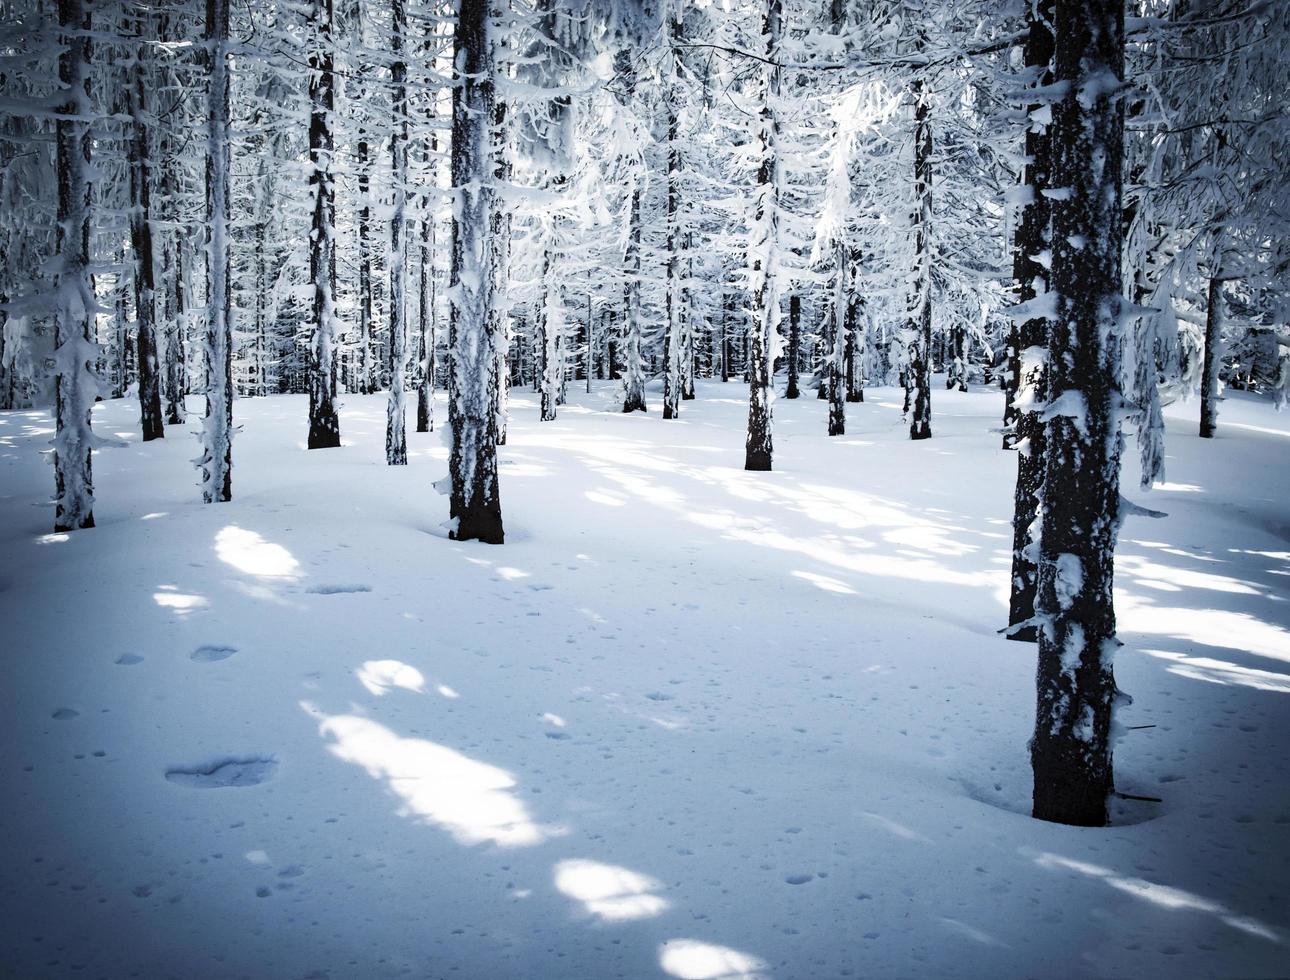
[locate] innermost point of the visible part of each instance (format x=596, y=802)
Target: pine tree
x=396, y=443
x=324, y=423
x=475, y=503
x=216, y=462
x=1071, y=748
x=74, y=351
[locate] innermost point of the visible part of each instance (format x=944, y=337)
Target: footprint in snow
x=799, y=879
x=659, y=696
x=223, y=773
x=337, y=589
x=129, y=659
x=65, y=714
x=210, y=653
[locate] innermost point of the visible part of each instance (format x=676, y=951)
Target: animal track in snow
x=224, y=772
x=337, y=589
x=65, y=714
x=129, y=659
x=209, y=653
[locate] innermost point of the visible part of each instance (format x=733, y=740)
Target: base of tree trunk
x=757, y=461
x=324, y=437
x=855, y=396
x=480, y=523
x=634, y=405
x=920, y=432
x=1074, y=802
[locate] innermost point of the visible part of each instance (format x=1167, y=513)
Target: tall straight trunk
x=499, y=284
x=763, y=248
x=918, y=375
x=1213, y=358
x=74, y=348
x=727, y=306
x=1071, y=748
x=634, y=380
x=855, y=334
x=1027, y=352
x=177, y=331
x=324, y=423
x=141, y=242
x=396, y=440
x=261, y=325
x=475, y=502
x=673, y=345
x=217, y=427
x=688, y=321
x=794, y=345
x=426, y=314
x=837, y=345
x=550, y=328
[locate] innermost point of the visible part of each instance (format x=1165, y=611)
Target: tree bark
x=1213, y=359
x=1071, y=748
x=324, y=423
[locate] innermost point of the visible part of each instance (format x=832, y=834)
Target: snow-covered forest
x=873, y=407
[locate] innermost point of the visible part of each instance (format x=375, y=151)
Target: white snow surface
x=688, y=722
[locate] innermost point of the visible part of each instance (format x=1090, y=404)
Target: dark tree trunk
x=425, y=390
x=475, y=503
x=73, y=337
x=1027, y=346
x=794, y=344
x=324, y=423
x=1213, y=357
x=396, y=439
x=1071, y=748
x=918, y=377
x=673, y=347
x=145, y=285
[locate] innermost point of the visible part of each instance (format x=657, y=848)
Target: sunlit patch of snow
x=511, y=574
x=554, y=720
x=825, y=583
x=248, y=552
x=447, y=691
x=690, y=959
x=378, y=676
x=1221, y=672
x=610, y=893
x=475, y=802
x=1212, y=627
x=154, y=515
x=181, y=602
x=58, y=538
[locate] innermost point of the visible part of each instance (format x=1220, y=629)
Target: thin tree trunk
x=324, y=423
x=794, y=344
x=425, y=391
x=918, y=376
x=1027, y=348
x=634, y=382
x=396, y=440
x=764, y=265
x=141, y=243
x=1213, y=358
x=837, y=346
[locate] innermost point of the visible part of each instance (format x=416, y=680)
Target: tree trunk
x=324, y=424
x=1213, y=359
x=837, y=346
x=1027, y=386
x=475, y=503
x=426, y=310
x=794, y=344
x=141, y=243
x=396, y=440
x=918, y=376
x=673, y=344
x=634, y=369
x=1071, y=748
x=763, y=244
x=74, y=349
x=217, y=427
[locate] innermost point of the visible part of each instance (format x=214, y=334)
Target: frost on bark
x=1071, y=748
x=141, y=242
x=426, y=307
x=500, y=243
x=475, y=502
x=918, y=372
x=216, y=462
x=763, y=260
x=1027, y=391
x=633, y=367
x=324, y=424
x=396, y=440
x=75, y=385
x=837, y=326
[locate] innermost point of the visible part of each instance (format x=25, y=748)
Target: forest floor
x=688, y=722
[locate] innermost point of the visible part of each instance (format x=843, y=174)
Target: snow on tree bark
x=763, y=255
x=426, y=307
x=918, y=373
x=1071, y=747
x=141, y=242
x=216, y=462
x=475, y=502
x=396, y=442
x=324, y=424
x=1027, y=391
x=1213, y=354
x=633, y=366
x=75, y=384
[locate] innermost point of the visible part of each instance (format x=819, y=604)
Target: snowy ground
x=688, y=722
